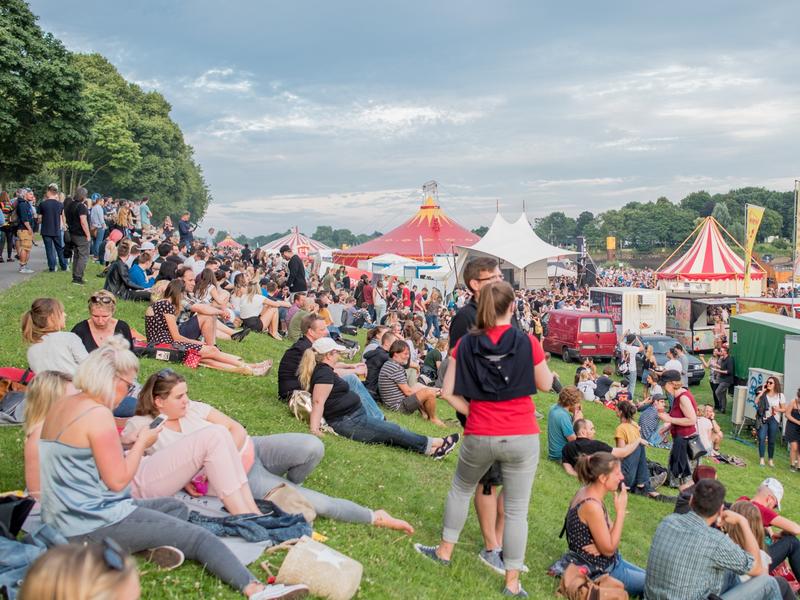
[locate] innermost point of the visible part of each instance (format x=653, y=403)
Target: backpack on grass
x=13, y=384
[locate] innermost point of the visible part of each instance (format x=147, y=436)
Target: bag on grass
x=13, y=383
x=290, y=501
x=177, y=353
x=576, y=585
x=327, y=573
x=300, y=404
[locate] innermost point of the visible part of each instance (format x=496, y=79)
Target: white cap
x=325, y=345
x=775, y=488
x=147, y=246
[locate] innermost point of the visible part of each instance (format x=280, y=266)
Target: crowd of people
x=105, y=455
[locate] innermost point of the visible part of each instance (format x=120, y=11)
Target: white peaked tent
x=517, y=248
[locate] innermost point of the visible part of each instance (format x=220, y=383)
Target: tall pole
x=795, y=254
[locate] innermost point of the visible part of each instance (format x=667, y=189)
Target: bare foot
x=276, y=336
x=384, y=519
x=438, y=422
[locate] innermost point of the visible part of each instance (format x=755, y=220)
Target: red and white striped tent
x=711, y=261
x=300, y=244
x=229, y=242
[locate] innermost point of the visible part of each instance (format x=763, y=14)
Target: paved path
x=9, y=272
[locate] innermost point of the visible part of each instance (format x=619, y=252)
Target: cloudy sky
x=320, y=112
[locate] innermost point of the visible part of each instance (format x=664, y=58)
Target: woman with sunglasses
x=771, y=401
x=101, y=324
x=85, y=478
x=262, y=462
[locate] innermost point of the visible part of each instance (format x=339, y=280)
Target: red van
x=574, y=334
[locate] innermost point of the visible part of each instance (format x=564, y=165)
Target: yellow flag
x=754, y=214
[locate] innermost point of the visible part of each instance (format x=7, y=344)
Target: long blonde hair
x=308, y=363
x=38, y=321
x=253, y=289
x=753, y=516
x=95, y=375
x=75, y=572
x=42, y=392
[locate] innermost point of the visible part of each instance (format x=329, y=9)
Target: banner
x=754, y=214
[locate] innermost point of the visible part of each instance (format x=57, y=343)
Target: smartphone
x=158, y=421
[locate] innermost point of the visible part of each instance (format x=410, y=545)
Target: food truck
x=691, y=317
x=777, y=306
x=636, y=310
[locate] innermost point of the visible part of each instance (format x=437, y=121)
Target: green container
x=758, y=341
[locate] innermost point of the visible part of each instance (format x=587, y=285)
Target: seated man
x=784, y=542
x=118, y=280
x=298, y=301
x=374, y=360
x=313, y=328
x=691, y=559
x=649, y=423
x=708, y=429
x=637, y=475
x=309, y=306
x=561, y=420
x=397, y=394
x=603, y=383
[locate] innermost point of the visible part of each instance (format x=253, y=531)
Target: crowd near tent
x=428, y=233
x=711, y=262
x=299, y=243
x=523, y=255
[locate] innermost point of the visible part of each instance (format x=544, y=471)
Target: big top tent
x=300, y=244
x=429, y=232
x=710, y=262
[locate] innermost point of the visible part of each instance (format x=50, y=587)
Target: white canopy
x=516, y=246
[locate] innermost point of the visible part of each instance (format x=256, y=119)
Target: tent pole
x=682, y=244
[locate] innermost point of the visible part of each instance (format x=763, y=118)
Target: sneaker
x=656, y=481
x=520, y=594
x=166, y=557
x=430, y=552
x=26, y=270
x=493, y=559
x=78, y=282
x=447, y=447
x=524, y=568
x=280, y=591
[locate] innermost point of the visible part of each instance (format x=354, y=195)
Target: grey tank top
x=74, y=499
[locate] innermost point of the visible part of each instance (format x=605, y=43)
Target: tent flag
x=754, y=214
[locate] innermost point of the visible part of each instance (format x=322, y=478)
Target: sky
x=315, y=113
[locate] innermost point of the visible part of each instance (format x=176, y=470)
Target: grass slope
x=408, y=485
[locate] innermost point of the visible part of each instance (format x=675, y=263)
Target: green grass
x=407, y=485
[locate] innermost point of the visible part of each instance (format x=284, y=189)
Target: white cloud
x=222, y=80
x=554, y=183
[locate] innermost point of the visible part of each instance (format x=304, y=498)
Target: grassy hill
x=408, y=485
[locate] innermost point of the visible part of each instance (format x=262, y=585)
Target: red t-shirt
x=767, y=514
x=406, y=297
x=510, y=417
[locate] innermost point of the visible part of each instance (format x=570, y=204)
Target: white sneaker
x=26, y=270
x=279, y=591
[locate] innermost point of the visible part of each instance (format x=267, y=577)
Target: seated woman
x=162, y=327
x=178, y=455
x=101, y=324
x=591, y=536
x=259, y=313
x=139, y=269
x=341, y=408
x=51, y=348
x=586, y=385
x=85, y=478
x=198, y=318
x=634, y=466
x=209, y=291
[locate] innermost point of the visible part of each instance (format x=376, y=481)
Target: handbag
x=695, y=448
x=327, y=573
x=577, y=585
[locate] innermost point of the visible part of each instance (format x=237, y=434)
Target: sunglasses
x=113, y=555
x=102, y=300
x=164, y=373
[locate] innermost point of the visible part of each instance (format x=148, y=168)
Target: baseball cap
x=657, y=396
x=53, y=187
x=147, y=246
x=775, y=488
x=670, y=376
x=325, y=345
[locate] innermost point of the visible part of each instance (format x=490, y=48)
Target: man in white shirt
x=632, y=345
x=673, y=364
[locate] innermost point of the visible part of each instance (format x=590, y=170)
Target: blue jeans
x=367, y=401
x=432, y=321
x=97, y=243
x=634, y=468
x=768, y=429
x=126, y=408
x=631, y=384
x=54, y=249
x=631, y=576
x=762, y=587
x=360, y=427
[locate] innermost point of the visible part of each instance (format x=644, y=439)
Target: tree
x=480, y=231
x=556, y=228
x=582, y=221
x=221, y=235
x=41, y=109
x=698, y=202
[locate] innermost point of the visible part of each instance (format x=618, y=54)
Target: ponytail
x=591, y=466
x=493, y=302
x=38, y=321
x=307, y=365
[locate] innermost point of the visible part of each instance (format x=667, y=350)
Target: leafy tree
x=480, y=231
x=556, y=228
x=771, y=224
x=582, y=221
x=699, y=202
x=41, y=110
x=221, y=235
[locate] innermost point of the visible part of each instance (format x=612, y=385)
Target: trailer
x=777, y=306
x=690, y=318
x=636, y=310
x=758, y=341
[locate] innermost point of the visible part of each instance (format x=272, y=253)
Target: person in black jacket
x=374, y=360
x=296, y=279
x=118, y=280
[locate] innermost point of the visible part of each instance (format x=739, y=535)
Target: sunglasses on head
x=102, y=300
x=113, y=555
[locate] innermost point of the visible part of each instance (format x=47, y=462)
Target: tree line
x=334, y=238
x=72, y=118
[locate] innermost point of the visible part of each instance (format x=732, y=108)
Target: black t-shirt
x=82, y=331
x=341, y=401
x=73, y=213
x=603, y=385
x=290, y=363
x=726, y=364
x=465, y=318
x=50, y=210
x=580, y=446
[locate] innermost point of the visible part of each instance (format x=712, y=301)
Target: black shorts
x=492, y=478
x=190, y=328
x=253, y=323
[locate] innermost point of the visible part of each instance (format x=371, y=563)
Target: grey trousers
x=294, y=456
x=80, y=256
x=518, y=456
x=162, y=522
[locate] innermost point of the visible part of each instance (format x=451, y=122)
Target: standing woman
x=379, y=300
x=649, y=363
x=7, y=230
x=168, y=228
x=494, y=371
x=771, y=401
x=432, y=306
x=793, y=431
x=682, y=419
x=712, y=365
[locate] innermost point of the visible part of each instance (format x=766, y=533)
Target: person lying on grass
x=200, y=441
x=342, y=409
x=86, y=477
x=163, y=327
